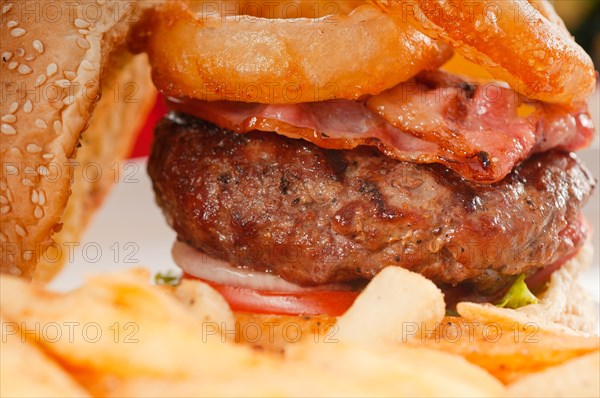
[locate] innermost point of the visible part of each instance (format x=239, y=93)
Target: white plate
x=130, y=230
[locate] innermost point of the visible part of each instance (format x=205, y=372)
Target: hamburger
x=293, y=178
x=290, y=207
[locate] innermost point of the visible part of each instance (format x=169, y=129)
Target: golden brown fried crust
x=275, y=332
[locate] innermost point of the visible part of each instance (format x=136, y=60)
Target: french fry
x=171, y=359
x=327, y=370
x=207, y=305
x=171, y=353
x=275, y=333
x=575, y=378
x=25, y=371
x=507, y=352
x=393, y=308
x=510, y=318
x=116, y=323
x=399, y=369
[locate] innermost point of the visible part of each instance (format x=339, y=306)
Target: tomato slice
x=320, y=302
x=537, y=281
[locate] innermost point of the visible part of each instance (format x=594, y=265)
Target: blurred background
x=582, y=17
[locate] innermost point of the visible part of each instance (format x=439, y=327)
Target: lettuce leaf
x=518, y=295
x=167, y=278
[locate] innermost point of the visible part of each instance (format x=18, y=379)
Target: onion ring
x=514, y=41
x=276, y=9
x=249, y=59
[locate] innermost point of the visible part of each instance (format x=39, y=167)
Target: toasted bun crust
x=58, y=59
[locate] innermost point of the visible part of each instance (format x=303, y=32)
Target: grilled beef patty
x=315, y=216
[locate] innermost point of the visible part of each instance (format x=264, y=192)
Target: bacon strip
x=483, y=122
x=479, y=131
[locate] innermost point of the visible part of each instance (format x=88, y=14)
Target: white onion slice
x=200, y=265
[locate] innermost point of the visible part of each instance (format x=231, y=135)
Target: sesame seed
x=80, y=23
x=15, y=271
x=24, y=69
x=27, y=255
x=15, y=151
x=26, y=182
x=9, y=195
x=7, y=129
x=10, y=118
x=12, y=24
x=28, y=106
x=40, y=80
x=57, y=126
x=13, y=65
x=38, y=212
x=48, y=156
x=17, y=32
x=42, y=198
x=34, y=148
x=69, y=100
x=20, y=51
x=3, y=200
x=13, y=107
x=4, y=209
x=51, y=69
x=3, y=185
x=6, y=8
x=39, y=47
x=6, y=55
x=43, y=171
x=87, y=65
x=34, y=196
x=20, y=230
x=70, y=74
x=84, y=31
x=30, y=57
x=83, y=43
x=3, y=237
x=10, y=169
x=64, y=83
x=40, y=123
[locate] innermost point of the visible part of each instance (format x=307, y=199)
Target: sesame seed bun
x=58, y=60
